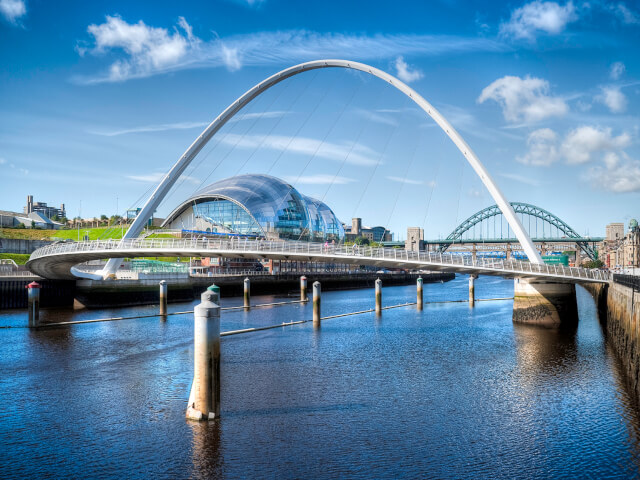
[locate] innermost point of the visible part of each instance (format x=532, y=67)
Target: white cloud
x=319, y=179
x=156, y=177
x=347, y=152
x=2, y=161
x=525, y=99
x=613, y=98
x=521, y=179
x=543, y=148
x=616, y=175
x=143, y=50
x=405, y=180
x=536, y=17
x=152, y=128
x=377, y=117
x=625, y=14
x=582, y=142
x=12, y=10
x=405, y=73
x=617, y=70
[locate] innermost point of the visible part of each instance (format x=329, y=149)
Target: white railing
x=332, y=253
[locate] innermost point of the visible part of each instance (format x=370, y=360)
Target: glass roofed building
x=257, y=206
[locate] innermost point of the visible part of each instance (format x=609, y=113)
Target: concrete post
x=317, y=293
x=204, y=400
x=33, y=290
x=303, y=289
x=472, y=290
x=419, y=302
x=544, y=303
x=378, y=296
x=163, y=297
x=247, y=293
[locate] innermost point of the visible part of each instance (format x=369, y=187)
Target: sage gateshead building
x=259, y=206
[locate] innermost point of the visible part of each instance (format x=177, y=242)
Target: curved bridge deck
x=56, y=260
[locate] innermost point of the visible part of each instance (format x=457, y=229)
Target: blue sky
x=99, y=99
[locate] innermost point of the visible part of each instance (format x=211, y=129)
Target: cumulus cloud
x=143, y=50
x=538, y=17
x=613, y=98
x=581, y=143
x=405, y=73
x=616, y=175
x=625, y=14
x=542, y=148
x=525, y=99
x=617, y=70
x=12, y=10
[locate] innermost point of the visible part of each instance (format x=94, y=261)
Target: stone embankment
x=619, y=308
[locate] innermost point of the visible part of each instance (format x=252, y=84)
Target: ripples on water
x=449, y=392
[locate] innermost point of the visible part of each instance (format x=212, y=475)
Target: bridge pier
x=419, y=302
x=472, y=290
x=163, y=297
x=33, y=298
x=544, y=303
x=247, y=293
x=204, y=399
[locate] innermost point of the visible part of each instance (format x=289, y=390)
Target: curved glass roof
x=275, y=205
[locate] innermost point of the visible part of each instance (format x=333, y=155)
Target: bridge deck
x=56, y=260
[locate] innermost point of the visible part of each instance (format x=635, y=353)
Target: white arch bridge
x=59, y=260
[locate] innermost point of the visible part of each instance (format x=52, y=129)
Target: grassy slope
x=36, y=234
x=19, y=258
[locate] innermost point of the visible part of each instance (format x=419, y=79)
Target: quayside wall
x=619, y=311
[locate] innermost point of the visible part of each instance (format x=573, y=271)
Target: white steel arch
x=170, y=178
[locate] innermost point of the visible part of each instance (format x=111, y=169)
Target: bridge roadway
x=56, y=261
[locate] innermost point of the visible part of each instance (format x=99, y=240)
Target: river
x=449, y=392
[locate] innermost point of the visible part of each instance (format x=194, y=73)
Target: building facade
x=373, y=234
x=44, y=209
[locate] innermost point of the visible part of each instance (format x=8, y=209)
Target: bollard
x=163, y=297
x=33, y=290
x=247, y=293
x=472, y=289
x=317, y=293
x=204, y=399
x=303, y=289
x=378, y=297
x=419, y=302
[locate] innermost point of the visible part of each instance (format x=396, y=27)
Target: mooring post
x=247, y=293
x=204, y=399
x=163, y=297
x=303, y=289
x=472, y=290
x=33, y=296
x=317, y=293
x=419, y=303
x=378, y=296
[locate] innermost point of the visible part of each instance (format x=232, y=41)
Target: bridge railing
x=231, y=246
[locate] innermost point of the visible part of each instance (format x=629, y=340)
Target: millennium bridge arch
x=524, y=209
x=172, y=176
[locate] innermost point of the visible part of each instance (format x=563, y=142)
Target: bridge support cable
x=176, y=171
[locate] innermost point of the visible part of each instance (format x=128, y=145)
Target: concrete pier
x=378, y=297
x=419, y=301
x=33, y=290
x=247, y=293
x=545, y=304
x=472, y=290
x=303, y=289
x=317, y=293
x=163, y=297
x=204, y=400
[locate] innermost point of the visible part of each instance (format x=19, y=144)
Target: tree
x=33, y=224
x=361, y=241
x=593, y=264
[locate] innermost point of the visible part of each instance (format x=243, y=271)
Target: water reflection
x=206, y=444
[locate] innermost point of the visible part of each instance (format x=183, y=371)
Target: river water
x=449, y=392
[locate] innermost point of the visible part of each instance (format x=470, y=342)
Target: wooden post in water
x=419, y=303
x=472, y=290
x=303, y=289
x=378, y=297
x=317, y=293
x=163, y=297
x=33, y=297
x=204, y=400
x=247, y=293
